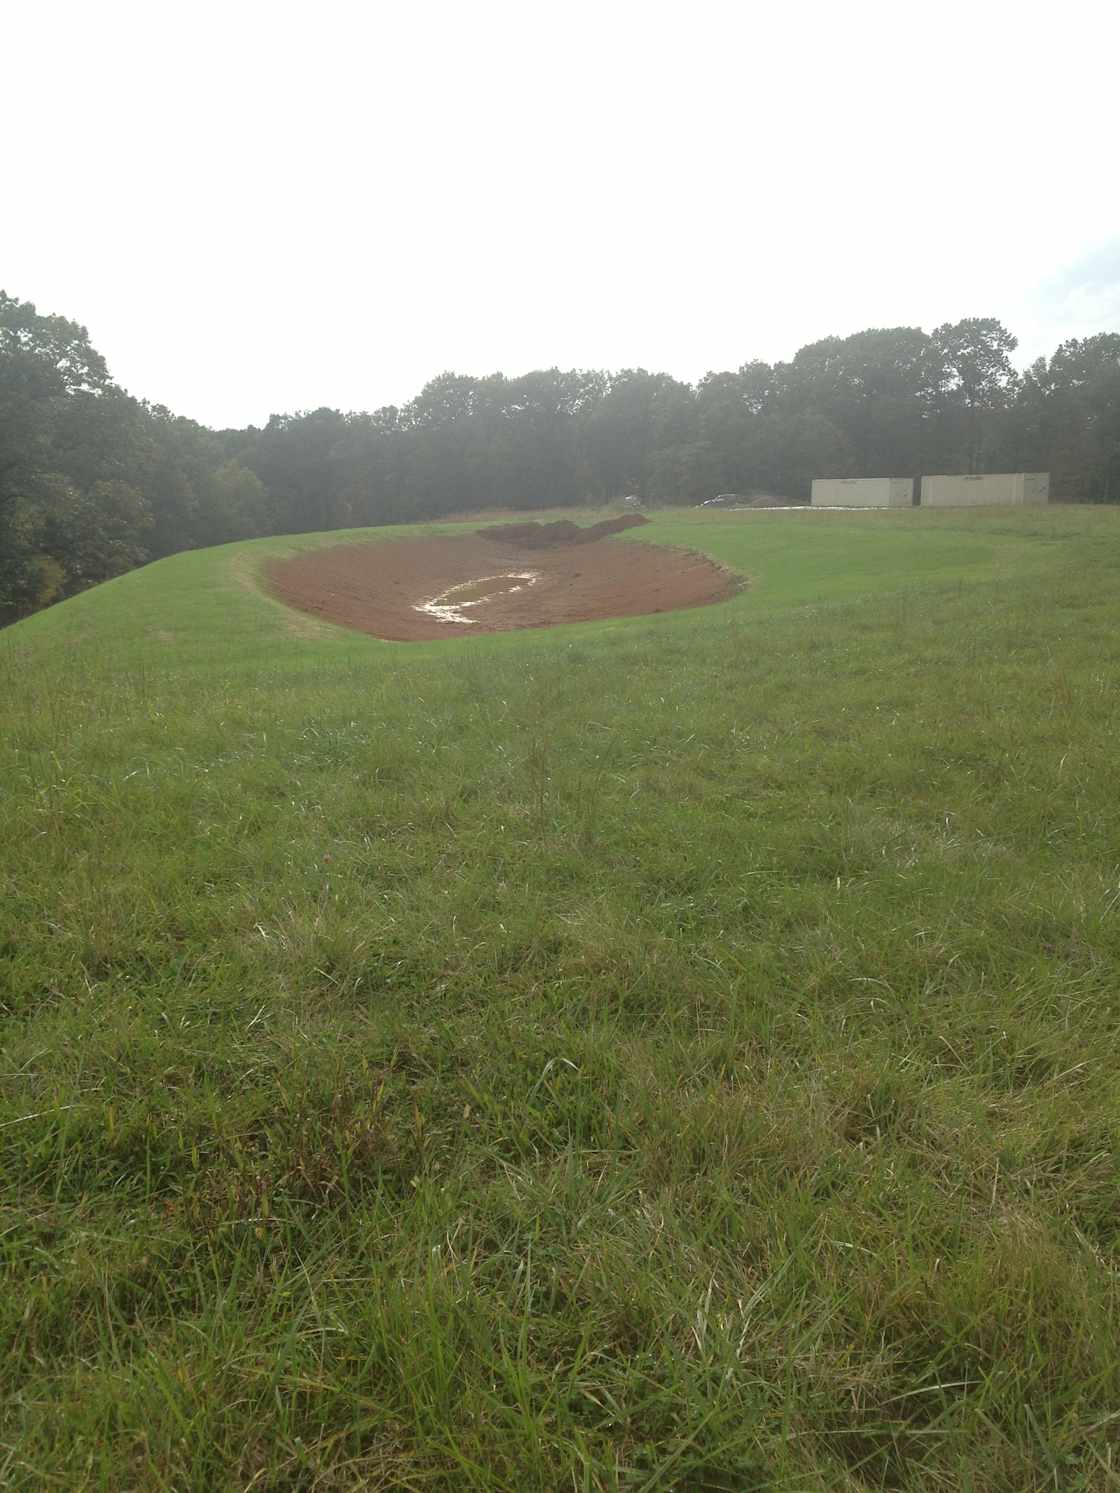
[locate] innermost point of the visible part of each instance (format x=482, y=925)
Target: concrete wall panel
x=1007, y=488
x=863, y=492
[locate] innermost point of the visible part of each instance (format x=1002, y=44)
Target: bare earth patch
x=412, y=590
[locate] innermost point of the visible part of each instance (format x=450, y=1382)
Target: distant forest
x=94, y=482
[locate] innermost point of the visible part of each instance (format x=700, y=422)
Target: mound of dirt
x=418, y=589
x=563, y=531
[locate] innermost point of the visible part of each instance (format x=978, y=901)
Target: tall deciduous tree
x=43, y=360
x=976, y=376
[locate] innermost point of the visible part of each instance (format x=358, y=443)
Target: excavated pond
x=410, y=590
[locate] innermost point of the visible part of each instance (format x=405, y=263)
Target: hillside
x=668, y=1052
x=94, y=482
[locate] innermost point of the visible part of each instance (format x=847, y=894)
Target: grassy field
x=672, y=1053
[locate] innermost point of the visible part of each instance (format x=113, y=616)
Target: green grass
x=671, y=1053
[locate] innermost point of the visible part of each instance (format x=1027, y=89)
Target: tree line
x=94, y=481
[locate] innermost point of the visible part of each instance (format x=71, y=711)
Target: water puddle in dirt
x=450, y=605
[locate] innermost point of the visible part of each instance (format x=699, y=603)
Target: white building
x=862, y=492
x=992, y=487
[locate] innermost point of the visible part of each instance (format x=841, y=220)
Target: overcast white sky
x=263, y=207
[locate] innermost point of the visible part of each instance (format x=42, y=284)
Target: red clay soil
x=377, y=588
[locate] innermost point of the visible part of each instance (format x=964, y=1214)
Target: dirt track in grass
x=412, y=590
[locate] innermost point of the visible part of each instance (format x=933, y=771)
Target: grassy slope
x=669, y=1053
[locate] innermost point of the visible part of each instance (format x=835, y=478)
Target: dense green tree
x=638, y=413
x=44, y=361
x=876, y=387
x=975, y=380
x=100, y=533
x=61, y=539
x=1082, y=417
x=92, y=481
x=234, y=503
x=300, y=460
